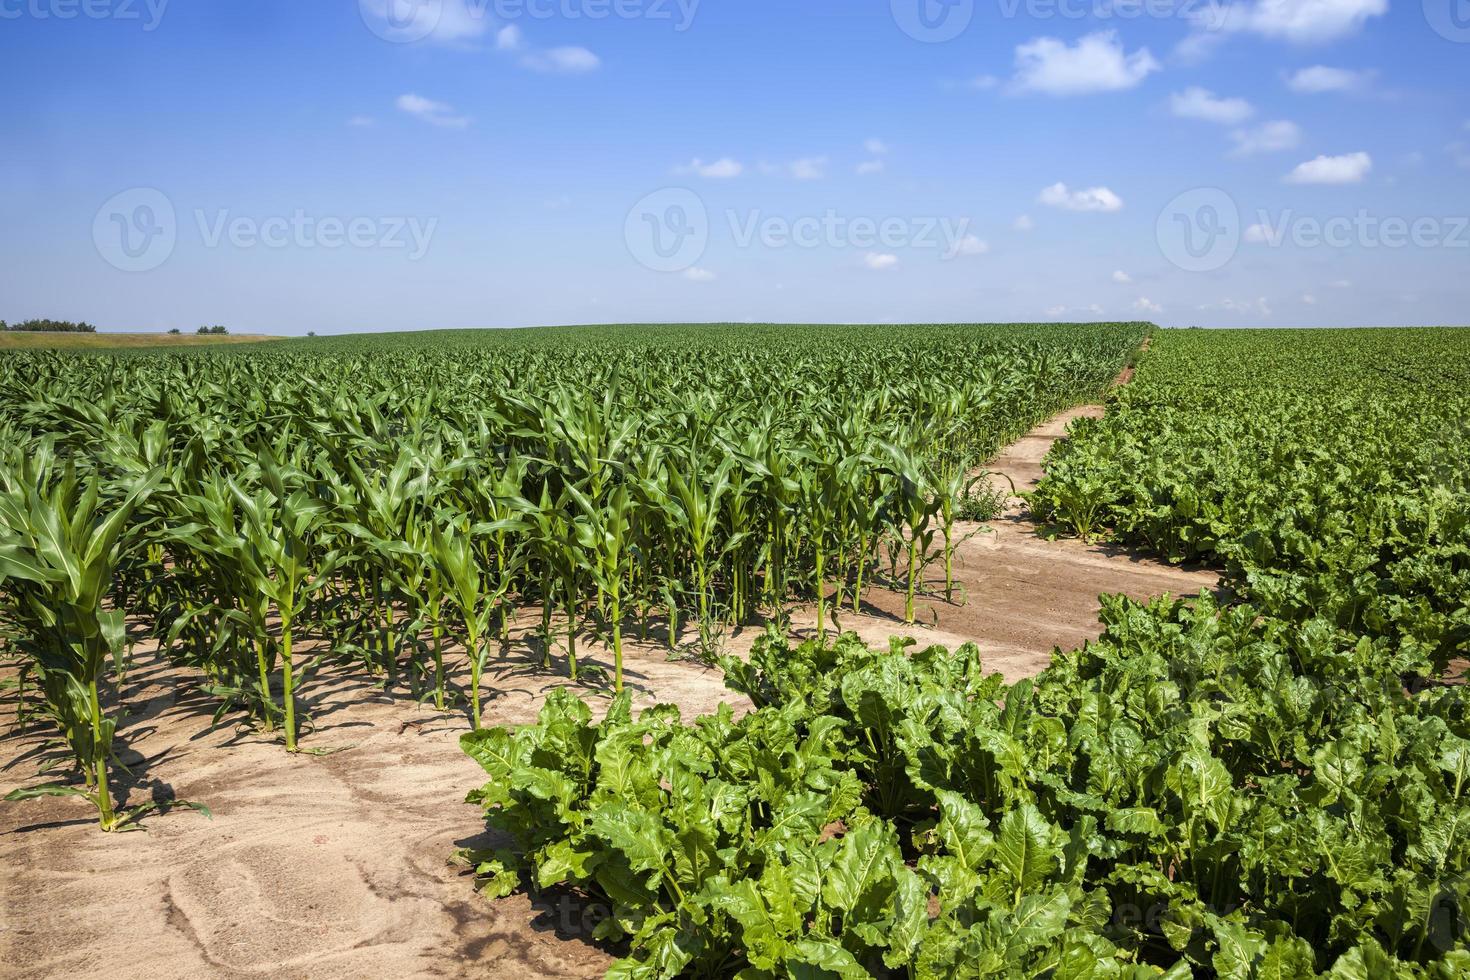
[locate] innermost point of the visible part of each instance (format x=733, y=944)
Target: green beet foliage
x=1325, y=470
x=1203, y=792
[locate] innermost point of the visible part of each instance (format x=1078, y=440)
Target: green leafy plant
x=1204, y=792
x=59, y=548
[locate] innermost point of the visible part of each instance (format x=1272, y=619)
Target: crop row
x=1324, y=470
x=381, y=501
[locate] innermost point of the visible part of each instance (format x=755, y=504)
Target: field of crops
x=1327, y=471
x=1268, y=783
x=1272, y=787
x=387, y=495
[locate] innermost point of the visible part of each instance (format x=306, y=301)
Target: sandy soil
x=336, y=865
x=312, y=866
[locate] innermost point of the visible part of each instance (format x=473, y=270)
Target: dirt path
x=1018, y=595
x=335, y=866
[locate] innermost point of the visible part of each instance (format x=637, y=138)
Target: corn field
x=396, y=503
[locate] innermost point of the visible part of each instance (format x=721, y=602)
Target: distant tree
x=175, y=332
x=311, y=333
x=216, y=330
x=51, y=326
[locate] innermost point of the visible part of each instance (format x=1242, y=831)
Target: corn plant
x=59, y=549
x=606, y=536
x=379, y=513
x=282, y=522
x=697, y=512
x=477, y=594
x=217, y=598
x=914, y=509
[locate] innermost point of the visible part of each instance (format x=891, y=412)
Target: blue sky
x=283, y=166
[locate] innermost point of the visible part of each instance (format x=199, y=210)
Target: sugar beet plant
x=1324, y=470
x=1204, y=793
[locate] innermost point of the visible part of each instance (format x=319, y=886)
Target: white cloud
x=1259, y=307
x=1319, y=78
x=510, y=38
x=1201, y=103
x=879, y=261
x=1091, y=199
x=1145, y=305
x=1268, y=137
x=430, y=111
x=1122, y=278
x=1309, y=299
x=1350, y=168
x=563, y=61
x=1264, y=235
x=809, y=168
x=870, y=167
x=697, y=274
x=721, y=169
x=969, y=245
x=1023, y=222
x=569, y=60
x=1201, y=44
x=1297, y=21
x=1341, y=284
x=361, y=122
x=803, y=169
x=984, y=83
x=876, y=147
x=1096, y=63
x=1056, y=311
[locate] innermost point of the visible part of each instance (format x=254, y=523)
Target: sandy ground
x=336, y=865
